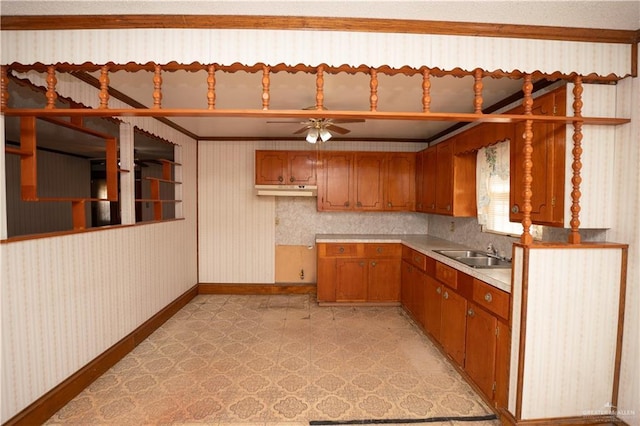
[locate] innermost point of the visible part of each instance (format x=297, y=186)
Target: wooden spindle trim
x=211, y=87
x=265, y=86
x=4, y=87
x=526, y=237
x=51, y=87
x=426, y=90
x=373, y=84
x=576, y=180
x=320, y=88
x=157, y=87
x=477, y=91
x=104, y=87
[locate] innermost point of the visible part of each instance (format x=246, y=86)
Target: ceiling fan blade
x=302, y=130
x=286, y=122
x=355, y=120
x=332, y=127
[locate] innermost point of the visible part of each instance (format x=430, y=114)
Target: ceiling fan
x=319, y=128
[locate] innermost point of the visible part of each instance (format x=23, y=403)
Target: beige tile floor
x=267, y=360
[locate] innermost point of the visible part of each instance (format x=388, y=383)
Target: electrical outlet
x=452, y=226
x=277, y=221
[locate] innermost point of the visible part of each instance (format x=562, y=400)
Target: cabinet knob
x=448, y=207
x=341, y=249
x=446, y=295
x=359, y=204
x=488, y=297
x=292, y=179
x=470, y=312
x=439, y=290
x=379, y=250
x=433, y=206
x=389, y=204
x=373, y=264
x=515, y=208
x=346, y=204
x=280, y=179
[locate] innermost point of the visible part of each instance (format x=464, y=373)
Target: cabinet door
x=335, y=191
x=369, y=180
x=547, y=186
x=406, y=290
x=351, y=280
x=384, y=280
x=419, y=181
x=302, y=167
x=454, y=322
x=400, y=182
x=432, y=307
x=326, y=280
x=480, y=357
x=503, y=354
x=429, y=173
x=444, y=177
x=271, y=167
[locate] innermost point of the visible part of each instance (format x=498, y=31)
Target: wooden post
x=477, y=90
x=373, y=97
x=112, y=168
x=28, y=162
x=320, y=88
x=157, y=87
x=526, y=237
x=4, y=87
x=574, y=235
x=78, y=214
x=265, y=86
x=51, y=87
x=211, y=87
x=426, y=90
x=104, y=87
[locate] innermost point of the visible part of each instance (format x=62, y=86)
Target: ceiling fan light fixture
x=325, y=135
x=312, y=136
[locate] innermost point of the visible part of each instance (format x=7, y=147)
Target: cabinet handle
x=439, y=290
x=488, y=297
x=433, y=206
x=515, y=209
x=448, y=207
x=446, y=295
x=470, y=312
x=341, y=249
x=292, y=179
x=389, y=204
x=379, y=250
x=280, y=179
x=373, y=264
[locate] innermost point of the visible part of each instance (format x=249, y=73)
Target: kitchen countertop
x=499, y=278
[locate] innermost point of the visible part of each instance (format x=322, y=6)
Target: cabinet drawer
x=491, y=298
x=341, y=250
x=415, y=258
x=382, y=250
x=447, y=275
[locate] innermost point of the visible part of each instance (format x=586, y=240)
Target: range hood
x=287, y=190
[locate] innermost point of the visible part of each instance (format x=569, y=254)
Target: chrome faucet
x=491, y=250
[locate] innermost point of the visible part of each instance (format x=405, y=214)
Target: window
x=492, y=180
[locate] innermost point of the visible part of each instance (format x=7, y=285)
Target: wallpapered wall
x=56, y=317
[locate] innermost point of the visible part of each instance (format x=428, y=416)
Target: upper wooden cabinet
x=286, y=167
x=548, y=157
x=366, y=181
x=446, y=181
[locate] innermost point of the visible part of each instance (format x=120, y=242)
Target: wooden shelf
x=163, y=180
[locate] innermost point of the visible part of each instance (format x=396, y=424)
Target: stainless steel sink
x=454, y=254
x=484, y=262
x=475, y=258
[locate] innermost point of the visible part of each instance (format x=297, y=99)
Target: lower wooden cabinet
x=480, y=359
x=358, y=272
x=453, y=327
x=433, y=307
